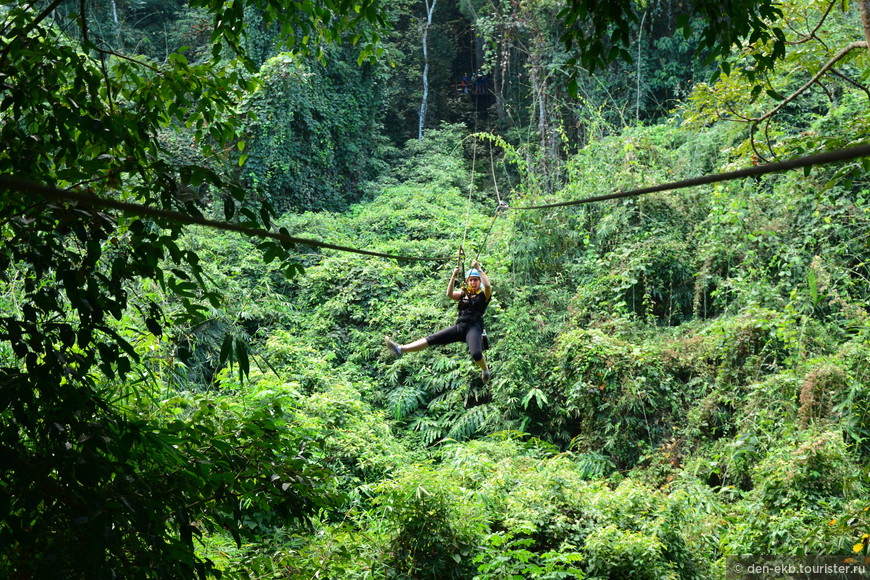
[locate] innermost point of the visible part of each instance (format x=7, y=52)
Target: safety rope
x=501, y=207
x=461, y=252
x=468, y=203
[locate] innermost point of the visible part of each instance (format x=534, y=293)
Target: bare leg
x=415, y=346
x=399, y=350
x=485, y=374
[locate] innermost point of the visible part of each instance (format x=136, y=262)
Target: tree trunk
x=864, y=6
x=538, y=78
x=639, y=55
x=499, y=74
x=429, y=11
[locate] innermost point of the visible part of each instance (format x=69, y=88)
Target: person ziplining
x=472, y=301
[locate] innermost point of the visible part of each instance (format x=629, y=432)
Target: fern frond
x=430, y=432
x=405, y=400
x=468, y=423
x=593, y=465
x=439, y=382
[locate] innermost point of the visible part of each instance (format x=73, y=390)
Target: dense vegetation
x=678, y=377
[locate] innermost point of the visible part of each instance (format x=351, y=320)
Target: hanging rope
x=470, y=191
x=502, y=206
x=492, y=170
x=461, y=262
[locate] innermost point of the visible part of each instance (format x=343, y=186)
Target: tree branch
x=84, y=22
x=127, y=58
x=828, y=65
x=812, y=33
x=42, y=16
x=851, y=81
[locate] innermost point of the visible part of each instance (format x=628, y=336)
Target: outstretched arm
x=484, y=281
x=450, y=292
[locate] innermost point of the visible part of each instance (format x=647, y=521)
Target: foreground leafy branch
x=88, y=489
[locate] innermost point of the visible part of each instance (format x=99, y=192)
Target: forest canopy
x=678, y=377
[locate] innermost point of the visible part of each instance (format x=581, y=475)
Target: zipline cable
x=797, y=163
x=17, y=184
x=13, y=183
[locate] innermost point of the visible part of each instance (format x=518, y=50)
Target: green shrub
x=547, y=498
x=624, y=400
x=613, y=553
x=745, y=347
x=311, y=136
x=805, y=471
x=433, y=524
x=506, y=557
x=358, y=443
x=850, y=404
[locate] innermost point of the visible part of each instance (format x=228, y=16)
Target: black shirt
x=472, y=307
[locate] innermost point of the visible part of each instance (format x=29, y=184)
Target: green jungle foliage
x=310, y=139
x=678, y=377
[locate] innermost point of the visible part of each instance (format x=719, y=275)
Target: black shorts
x=471, y=334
